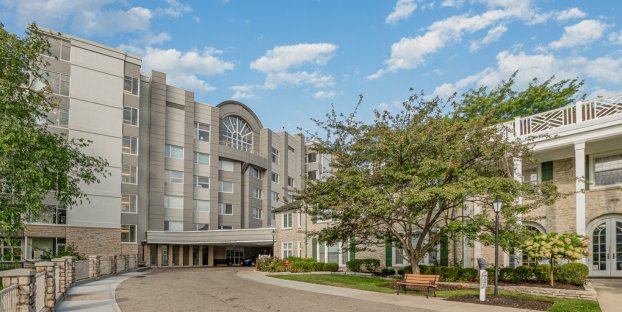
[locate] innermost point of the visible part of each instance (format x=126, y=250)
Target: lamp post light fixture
x=273, y=236
x=496, y=205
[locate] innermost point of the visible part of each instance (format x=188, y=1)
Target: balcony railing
x=242, y=148
x=568, y=115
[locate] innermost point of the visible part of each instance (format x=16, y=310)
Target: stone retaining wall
x=588, y=294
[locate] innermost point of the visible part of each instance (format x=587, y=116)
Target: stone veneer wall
x=132, y=249
x=88, y=240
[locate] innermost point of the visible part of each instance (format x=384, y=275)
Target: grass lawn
x=373, y=284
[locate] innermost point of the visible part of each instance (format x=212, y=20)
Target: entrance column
x=579, y=160
x=210, y=256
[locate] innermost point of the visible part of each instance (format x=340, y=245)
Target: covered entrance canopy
x=243, y=237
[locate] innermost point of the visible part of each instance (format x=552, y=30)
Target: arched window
x=526, y=259
x=236, y=133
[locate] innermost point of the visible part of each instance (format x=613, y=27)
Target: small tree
x=557, y=247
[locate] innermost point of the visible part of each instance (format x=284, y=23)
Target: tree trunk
x=552, y=268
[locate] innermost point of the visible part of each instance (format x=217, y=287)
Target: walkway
x=609, y=293
x=96, y=296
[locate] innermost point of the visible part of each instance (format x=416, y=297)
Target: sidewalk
x=412, y=301
x=95, y=296
x=609, y=293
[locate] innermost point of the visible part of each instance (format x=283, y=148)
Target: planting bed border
x=588, y=294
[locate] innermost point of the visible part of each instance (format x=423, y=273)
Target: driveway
x=220, y=289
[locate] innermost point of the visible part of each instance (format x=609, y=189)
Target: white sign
x=483, y=283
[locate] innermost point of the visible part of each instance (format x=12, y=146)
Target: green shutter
x=389, y=253
x=314, y=248
x=351, y=250
x=547, y=171
x=444, y=250
x=587, y=172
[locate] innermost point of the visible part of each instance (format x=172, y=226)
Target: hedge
x=524, y=273
x=367, y=265
x=543, y=272
x=507, y=275
x=572, y=273
x=451, y=273
x=469, y=274
x=331, y=267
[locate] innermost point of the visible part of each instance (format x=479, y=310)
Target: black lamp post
x=144, y=243
x=497, y=206
x=273, y=236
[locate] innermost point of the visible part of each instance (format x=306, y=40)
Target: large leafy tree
x=401, y=180
x=34, y=163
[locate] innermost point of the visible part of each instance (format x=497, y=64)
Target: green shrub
x=400, y=272
x=371, y=265
x=572, y=273
x=543, y=272
x=407, y=270
x=318, y=266
x=451, y=274
x=354, y=265
x=69, y=250
x=331, y=267
x=301, y=266
x=430, y=270
x=469, y=274
x=439, y=270
x=292, y=258
x=268, y=264
x=391, y=272
x=524, y=273
x=384, y=271
x=422, y=269
x=507, y=274
x=491, y=274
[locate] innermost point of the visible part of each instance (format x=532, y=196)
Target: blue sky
x=289, y=60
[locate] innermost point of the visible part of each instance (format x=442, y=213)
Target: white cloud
x=600, y=92
x=382, y=107
x=402, y=10
x=324, y=94
x=539, y=18
x=429, y=6
x=438, y=72
x=493, y=36
x=444, y=91
x=570, y=14
x=243, y=92
x=582, y=33
x=198, y=19
x=452, y=3
x=108, y=23
x=615, y=38
x=177, y=9
x=277, y=61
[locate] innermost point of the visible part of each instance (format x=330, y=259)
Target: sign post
x=483, y=283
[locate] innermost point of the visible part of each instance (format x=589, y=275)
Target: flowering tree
x=554, y=246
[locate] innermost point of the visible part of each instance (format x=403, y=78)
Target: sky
x=289, y=60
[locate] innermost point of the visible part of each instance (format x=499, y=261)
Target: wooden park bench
x=429, y=281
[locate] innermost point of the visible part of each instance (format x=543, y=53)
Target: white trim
x=137, y=116
x=283, y=223
x=283, y=249
x=592, y=168
x=135, y=233
x=130, y=174
x=130, y=153
x=136, y=202
x=130, y=93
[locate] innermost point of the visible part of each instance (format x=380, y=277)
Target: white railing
x=132, y=263
x=40, y=291
x=82, y=269
x=105, y=266
x=548, y=120
x=120, y=265
x=8, y=299
x=242, y=148
x=603, y=107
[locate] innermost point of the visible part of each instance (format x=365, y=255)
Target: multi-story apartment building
x=584, y=141
x=191, y=183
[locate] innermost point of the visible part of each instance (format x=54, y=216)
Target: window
x=129, y=174
x=299, y=249
x=299, y=219
x=225, y=187
x=257, y=173
x=275, y=156
x=287, y=250
x=201, y=227
x=225, y=209
x=200, y=158
x=51, y=214
x=337, y=253
x=290, y=181
x=201, y=132
x=130, y=116
x=311, y=158
x=60, y=48
x=236, y=133
x=345, y=254
x=312, y=174
x=59, y=83
x=128, y=233
x=274, y=177
x=174, y=226
x=128, y=203
x=256, y=213
x=275, y=196
x=287, y=220
x=200, y=205
x=57, y=118
x=225, y=165
x=526, y=259
x=225, y=227
x=174, y=202
x=11, y=252
x=201, y=182
x=273, y=216
x=256, y=193
x=173, y=151
x=325, y=215
x=530, y=176
x=608, y=170
x=130, y=85
x=130, y=145
x=171, y=176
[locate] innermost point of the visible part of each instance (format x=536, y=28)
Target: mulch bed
x=505, y=301
x=441, y=287
x=558, y=285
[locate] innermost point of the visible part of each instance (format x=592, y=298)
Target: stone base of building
x=87, y=240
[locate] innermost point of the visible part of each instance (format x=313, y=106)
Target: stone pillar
x=136, y=261
x=26, y=292
x=210, y=256
x=71, y=270
x=170, y=256
x=159, y=256
x=50, y=286
x=94, y=271
x=181, y=256
x=125, y=260
x=579, y=157
x=201, y=256
x=113, y=264
x=62, y=281
x=191, y=255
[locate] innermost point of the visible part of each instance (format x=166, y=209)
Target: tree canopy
x=403, y=180
x=35, y=164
